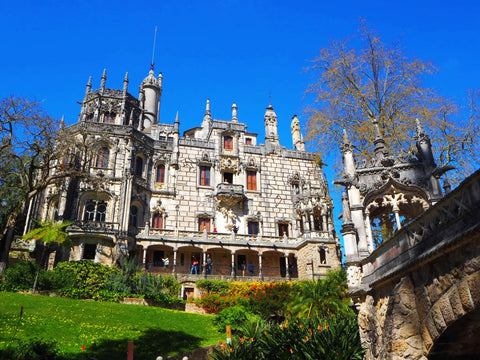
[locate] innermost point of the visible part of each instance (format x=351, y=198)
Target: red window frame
x=228, y=142
x=251, y=180
x=204, y=223
x=157, y=221
x=160, y=178
x=204, y=176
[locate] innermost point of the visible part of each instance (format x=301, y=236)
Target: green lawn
x=104, y=328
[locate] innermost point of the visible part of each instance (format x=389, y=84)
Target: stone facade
x=258, y=210
x=415, y=285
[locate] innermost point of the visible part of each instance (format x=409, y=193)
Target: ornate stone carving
x=354, y=275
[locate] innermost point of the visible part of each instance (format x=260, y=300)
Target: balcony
x=230, y=194
x=94, y=227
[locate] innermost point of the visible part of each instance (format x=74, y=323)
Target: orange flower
x=306, y=338
x=291, y=351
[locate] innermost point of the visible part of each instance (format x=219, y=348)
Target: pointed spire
x=125, y=83
x=207, y=108
x=62, y=122
x=104, y=79
x=379, y=143
x=160, y=79
x=234, y=113
x=346, y=143
x=176, y=126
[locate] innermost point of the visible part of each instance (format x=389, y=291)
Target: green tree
x=49, y=232
x=362, y=78
x=323, y=298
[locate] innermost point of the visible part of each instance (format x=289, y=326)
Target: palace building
x=140, y=187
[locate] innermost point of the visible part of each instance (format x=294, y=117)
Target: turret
x=104, y=80
x=234, y=113
x=379, y=143
x=207, y=121
x=271, y=132
x=298, y=142
x=152, y=91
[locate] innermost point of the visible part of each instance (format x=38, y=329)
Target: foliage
x=310, y=339
x=32, y=349
x=323, y=298
x=214, y=303
x=215, y=286
x=49, y=231
x=27, y=153
x=363, y=78
x=19, y=276
x=132, y=280
x=81, y=279
x=234, y=316
x=103, y=328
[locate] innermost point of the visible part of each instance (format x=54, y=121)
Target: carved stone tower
x=298, y=142
x=383, y=195
x=151, y=89
x=271, y=131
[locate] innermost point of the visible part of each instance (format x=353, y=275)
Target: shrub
x=216, y=286
x=234, y=316
x=214, y=303
x=81, y=279
x=300, y=339
x=19, y=276
x=32, y=349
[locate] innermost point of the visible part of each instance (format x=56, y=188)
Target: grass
x=103, y=328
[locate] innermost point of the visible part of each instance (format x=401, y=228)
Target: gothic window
x=204, y=176
x=133, y=215
x=89, y=117
x=282, y=229
x=323, y=256
x=89, y=251
x=162, y=138
x=160, y=176
x=253, y=227
x=251, y=180
x=157, y=221
x=317, y=222
x=228, y=142
x=228, y=177
x=138, y=166
x=102, y=158
x=203, y=224
x=95, y=211
x=170, y=139
x=248, y=141
x=55, y=211
x=109, y=117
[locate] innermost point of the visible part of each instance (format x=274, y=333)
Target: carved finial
x=160, y=79
x=104, y=79
x=379, y=142
x=207, y=108
x=176, y=119
x=125, y=83
x=62, y=122
x=234, y=112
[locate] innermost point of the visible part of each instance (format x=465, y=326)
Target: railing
x=229, y=189
x=94, y=226
x=446, y=222
x=224, y=238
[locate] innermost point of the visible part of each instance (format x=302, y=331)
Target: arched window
x=157, y=221
x=102, y=158
x=95, y=211
x=228, y=142
x=109, y=117
x=138, y=166
x=160, y=177
x=133, y=215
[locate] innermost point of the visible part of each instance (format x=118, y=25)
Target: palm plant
x=49, y=232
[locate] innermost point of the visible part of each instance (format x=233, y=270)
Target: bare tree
x=362, y=78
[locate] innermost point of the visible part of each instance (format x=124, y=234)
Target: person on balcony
x=208, y=264
x=194, y=269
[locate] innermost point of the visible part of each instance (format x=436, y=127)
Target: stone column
x=368, y=226
x=144, y=258
x=324, y=222
x=233, y=265
x=204, y=256
x=174, y=270
x=396, y=212
x=260, y=269
x=287, y=267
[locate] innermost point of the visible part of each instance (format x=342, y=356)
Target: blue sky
x=228, y=51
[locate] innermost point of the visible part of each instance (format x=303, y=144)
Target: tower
x=298, y=142
x=383, y=195
x=151, y=89
x=271, y=131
